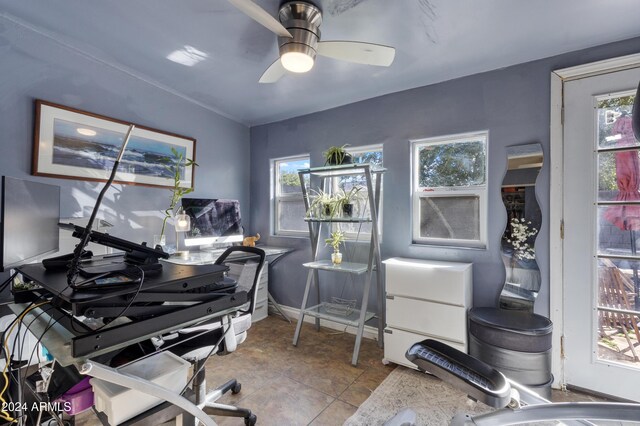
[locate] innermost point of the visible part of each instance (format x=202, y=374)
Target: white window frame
x=366, y=236
x=356, y=150
x=479, y=191
x=277, y=196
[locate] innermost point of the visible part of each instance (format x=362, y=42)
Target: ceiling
x=435, y=40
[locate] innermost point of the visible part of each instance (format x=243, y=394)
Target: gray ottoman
x=517, y=343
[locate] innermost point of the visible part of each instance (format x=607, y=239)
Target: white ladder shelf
x=353, y=317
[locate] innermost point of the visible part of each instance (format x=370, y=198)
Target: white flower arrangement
x=520, y=233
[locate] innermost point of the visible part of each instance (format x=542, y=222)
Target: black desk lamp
x=84, y=239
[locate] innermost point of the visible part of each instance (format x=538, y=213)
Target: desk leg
x=112, y=375
x=275, y=305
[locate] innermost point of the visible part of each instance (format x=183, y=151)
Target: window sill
x=445, y=246
x=297, y=236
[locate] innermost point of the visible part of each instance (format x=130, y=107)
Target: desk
x=204, y=257
x=273, y=254
x=168, y=285
x=73, y=343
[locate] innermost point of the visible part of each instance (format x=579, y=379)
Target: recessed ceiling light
x=188, y=56
x=86, y=132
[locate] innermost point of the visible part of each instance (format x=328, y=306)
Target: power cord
x=3, y=414
x=336, y=333
x=126, y=308
x=50, y=324
x=8, y=281
x=20, y=378
x=217, y=345
x=18, y=322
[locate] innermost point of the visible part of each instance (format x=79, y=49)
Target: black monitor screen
x=30, y=214
x=213, y=221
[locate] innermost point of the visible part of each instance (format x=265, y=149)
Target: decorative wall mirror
x=522, y=282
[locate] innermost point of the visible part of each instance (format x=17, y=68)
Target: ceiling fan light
x=297, y=62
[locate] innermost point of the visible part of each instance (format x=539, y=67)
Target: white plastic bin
x=120, y=404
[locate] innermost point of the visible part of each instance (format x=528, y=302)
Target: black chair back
x=253, y=251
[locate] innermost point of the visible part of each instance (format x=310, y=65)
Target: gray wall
x=35, y=67
x=512, y=103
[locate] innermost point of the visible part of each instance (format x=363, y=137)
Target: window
x=450, y=190
x=371, y=154
x=289, y=208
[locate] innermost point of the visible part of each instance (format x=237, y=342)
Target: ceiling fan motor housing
x=303, y=21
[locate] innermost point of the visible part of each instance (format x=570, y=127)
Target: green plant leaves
x=177, y=192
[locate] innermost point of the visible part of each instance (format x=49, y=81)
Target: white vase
x=336, y=257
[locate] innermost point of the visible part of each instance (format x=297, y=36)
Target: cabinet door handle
x=388, y=331
x=390, y=297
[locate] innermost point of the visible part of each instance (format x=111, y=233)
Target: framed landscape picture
x=74, y=144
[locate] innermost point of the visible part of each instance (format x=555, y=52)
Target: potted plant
x=177, y=192
x=337, y=155
x=322, y=205
x=336, y=238
x=346, y=200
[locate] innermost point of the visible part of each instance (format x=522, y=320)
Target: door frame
x=556, y=192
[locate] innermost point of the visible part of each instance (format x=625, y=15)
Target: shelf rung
x=353, y=319
x=339, y=219
x=341, y=170
x=327, y=265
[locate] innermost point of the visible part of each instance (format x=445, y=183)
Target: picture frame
x=73, y=144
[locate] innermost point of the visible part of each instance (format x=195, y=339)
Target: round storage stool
x=517, y=343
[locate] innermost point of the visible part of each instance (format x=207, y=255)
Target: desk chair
x=196, y=349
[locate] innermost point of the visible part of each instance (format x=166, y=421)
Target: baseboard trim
x=293, y=314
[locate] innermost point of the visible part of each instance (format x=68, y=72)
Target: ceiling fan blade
x=274, y=73
x=358, y=52
x=261, y=16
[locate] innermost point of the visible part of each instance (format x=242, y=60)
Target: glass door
x=602, y=229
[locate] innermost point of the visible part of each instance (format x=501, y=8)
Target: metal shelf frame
x=352, y=318
x=359, y=316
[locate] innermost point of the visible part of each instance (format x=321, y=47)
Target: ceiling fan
x=298, y=30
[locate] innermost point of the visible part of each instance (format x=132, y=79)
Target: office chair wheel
x=251, y=420
x=236, y=388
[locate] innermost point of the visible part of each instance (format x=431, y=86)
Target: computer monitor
x=213, y=221
x=30, y=213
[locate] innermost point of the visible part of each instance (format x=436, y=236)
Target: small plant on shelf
x=347, y=199
x=322, y=205
x=336, y=238
x=337, y=155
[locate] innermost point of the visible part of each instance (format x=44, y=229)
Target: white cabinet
x=425, y=299
x=262, y=297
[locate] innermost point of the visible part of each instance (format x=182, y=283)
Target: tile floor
x=311, y=384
